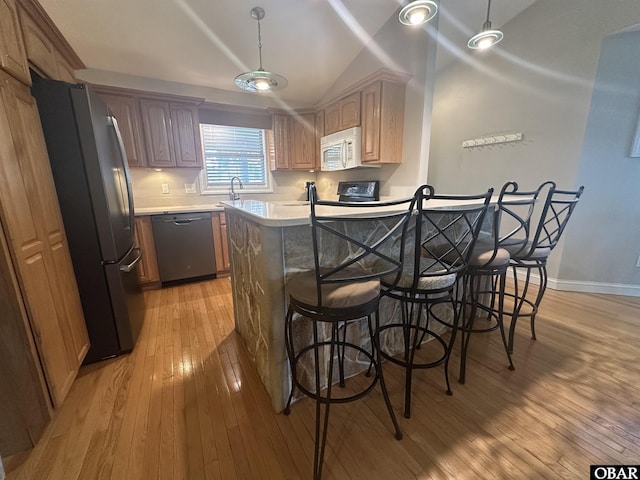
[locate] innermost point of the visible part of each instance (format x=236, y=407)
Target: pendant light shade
x=487, y=37
x=418, y=12
x=260, y=80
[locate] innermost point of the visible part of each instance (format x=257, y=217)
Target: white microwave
x=342, y=150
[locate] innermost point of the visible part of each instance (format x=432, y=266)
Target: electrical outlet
x=190, y=188
x=165, y=188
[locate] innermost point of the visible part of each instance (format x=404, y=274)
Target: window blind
x=233, y=151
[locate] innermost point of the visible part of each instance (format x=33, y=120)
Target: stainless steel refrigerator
x=90, y=171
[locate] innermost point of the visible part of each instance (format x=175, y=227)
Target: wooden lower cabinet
x=148, y=272
x=38, y=265
x=220, y=242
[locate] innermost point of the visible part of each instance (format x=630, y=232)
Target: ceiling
x=209, y=42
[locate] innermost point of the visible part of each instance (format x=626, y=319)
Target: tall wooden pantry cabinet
x=43, y=337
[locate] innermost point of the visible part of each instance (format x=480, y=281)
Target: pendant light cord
x=259, y=44
x=488, y=11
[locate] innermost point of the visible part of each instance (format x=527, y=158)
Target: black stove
x=359, y=191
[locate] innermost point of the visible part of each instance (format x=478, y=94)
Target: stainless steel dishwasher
x=184, y=245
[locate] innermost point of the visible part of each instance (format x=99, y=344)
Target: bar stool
x=486, y=272
x=531, y=256
x=446, y=230
x=353, y=246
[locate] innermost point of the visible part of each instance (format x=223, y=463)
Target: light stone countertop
x=279, y=213
x=286, y=214
x=214, y=207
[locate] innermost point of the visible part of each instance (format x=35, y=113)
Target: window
x=233, y=151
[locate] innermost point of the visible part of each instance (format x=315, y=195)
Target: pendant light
x=260, y=80
x=418, y=12
x=487, y=37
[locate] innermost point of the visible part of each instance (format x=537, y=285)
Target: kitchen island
x=268, y=242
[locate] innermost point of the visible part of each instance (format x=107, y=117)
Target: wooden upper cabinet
x=302, y=155
x=13, y=56
x=280, y=142
x=66, y=72
x=319, y=135
x=371, y=122
x=171, y=133
x=156, y=120
x=342, y=114
x=45, y=47
x=382, y=122
x=127, y=112
x=37, y=241
x=40, y=49
x=294, y=142
x=185, y=126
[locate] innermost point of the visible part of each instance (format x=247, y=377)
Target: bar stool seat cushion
x=482, y=254
x=430, y=280
x=518, y=251
x=302, y=288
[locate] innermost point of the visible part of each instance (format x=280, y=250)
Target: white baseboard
x=588, y=287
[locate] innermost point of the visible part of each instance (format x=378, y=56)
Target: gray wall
x=407, y=50
x=611, y=212
x=540, y=82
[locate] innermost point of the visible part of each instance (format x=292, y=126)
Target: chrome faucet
x=233, y=195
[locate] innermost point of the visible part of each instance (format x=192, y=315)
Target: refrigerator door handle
x=113, y=123
x=129, y=267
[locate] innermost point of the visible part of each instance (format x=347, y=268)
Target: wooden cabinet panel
x=171, y=134
x=148, y=267
x=319, y=135
x=332, y=118
x=36, y=239
x=13, y=56
x=40, y=49
x=127, y=112
x=371, y=122
x=25, y=405
x=221, y=245
x=345, y=113
x=158, y=138
x=303, y=142
x=295, y=145
x=350, y=111
x=44, y=45
x=185, y=126
x=65, y=70
x=280, y=142
x=383, y=122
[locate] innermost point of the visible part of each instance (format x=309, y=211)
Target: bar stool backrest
x=448, y=227
x=359, y=241
x=514, y=215
x=557, y=210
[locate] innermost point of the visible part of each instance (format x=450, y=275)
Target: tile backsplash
x=149, y=184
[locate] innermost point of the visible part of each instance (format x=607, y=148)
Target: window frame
x=206, y=189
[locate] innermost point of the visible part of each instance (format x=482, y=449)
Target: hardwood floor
x=187, y=404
